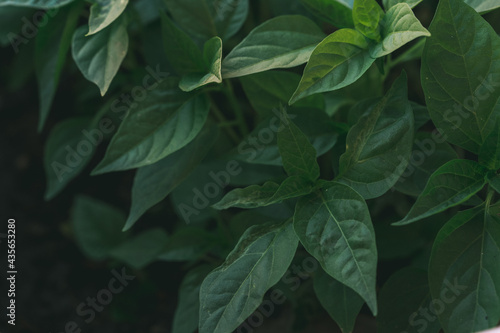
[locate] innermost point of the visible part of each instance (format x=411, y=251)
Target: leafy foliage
x=310, y=114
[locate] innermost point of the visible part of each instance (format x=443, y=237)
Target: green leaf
x=399, y=26
x=260, y=147
x=430, y=152
x=204, y=19
x=489, y=153
x=367, y=15
x=379, y=145
x=339, y=60
x=99, y=56
x=181, y=51
x=452, y=184
x=164, y=122
x=97, y=227
x=234, y=290
x=336, y=12
x=460, y=70
x=495, y=183
x=340, y=301
x=187, y=312
x=153, y=183
x=297, y=153
x=334, y=225
x=464, y=271
x=390, y=3
x=483, y=6
x=42, y=4
x=281, y=42
x=270, y=193
x=141, y=250
x=409, y=316
x=51, y=48
x=212, y=55
x=269, y=90
x=103, y=13
x=67, y=153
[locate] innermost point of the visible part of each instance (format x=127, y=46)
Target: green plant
x=323, y=157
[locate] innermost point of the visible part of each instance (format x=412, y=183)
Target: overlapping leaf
x=204, y=19
x=234, y=290
x=52, y=45
x=281, y=42
x=464, y=271
x=399, y=26
x=99, y=56
x=334, y=225
x=450, y=185
x=461, y=73
x=337, y=12
x=152, y=183
x=379, y=145
x=340, y=301
x=339, y=60
x=164, y=122
x=103, y=13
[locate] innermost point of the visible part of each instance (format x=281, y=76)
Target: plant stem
x=223, y=121
x=228, y=90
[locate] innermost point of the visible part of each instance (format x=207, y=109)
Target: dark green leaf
x=99, y=56
x=336, y=12
x=234, y=290
x=103, y=13
x=267, y=194
x=334, y=225
x=52, y=44
x=450, y=185
x=97, y=227
x=67, y=152
x=164, y=122
x=181, y=51
x=297, y=153
x=212, y=56
x=269, y=90
x=152, y=183
x=379, y=145
x=204, y=19
x=430, y=151
x=340, y=301
x=187, y=312
x=261, y=147
x=281, y=42
x=460, y=70
x=489, y=153
x=339, y=60
x=464, y=271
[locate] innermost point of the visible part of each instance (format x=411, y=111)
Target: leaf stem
x=223, y=121
x=228, y=90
